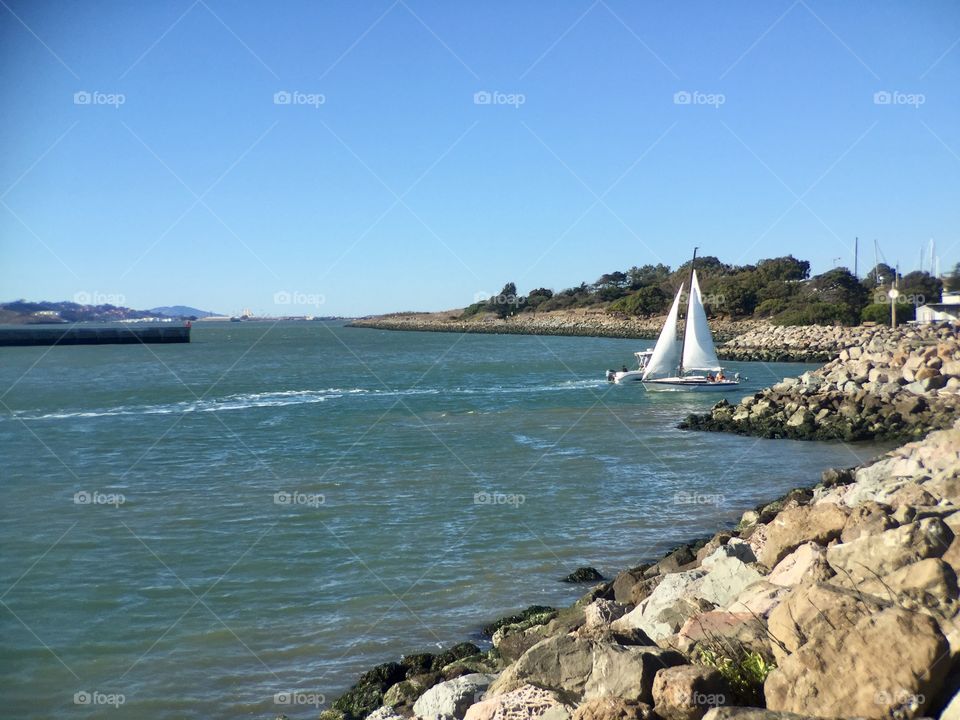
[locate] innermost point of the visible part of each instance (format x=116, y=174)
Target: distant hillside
x=22, y=312
x=181, y=311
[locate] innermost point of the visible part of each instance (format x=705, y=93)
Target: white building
x=947, y=310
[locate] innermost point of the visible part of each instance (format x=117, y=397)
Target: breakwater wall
x=78, y=335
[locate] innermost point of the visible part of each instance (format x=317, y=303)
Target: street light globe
x=893, y=294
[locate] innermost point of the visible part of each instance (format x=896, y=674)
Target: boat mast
x=686, y=320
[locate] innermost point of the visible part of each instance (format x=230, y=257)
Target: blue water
x=271, y=508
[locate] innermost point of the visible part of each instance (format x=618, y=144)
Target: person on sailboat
x=721, y=377
x=710, y=377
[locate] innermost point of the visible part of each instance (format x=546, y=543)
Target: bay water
x=239, y=526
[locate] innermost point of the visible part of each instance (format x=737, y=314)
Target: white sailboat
x=691, y=363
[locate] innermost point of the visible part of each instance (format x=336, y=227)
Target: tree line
x=779, y=289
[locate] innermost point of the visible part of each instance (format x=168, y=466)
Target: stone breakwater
x=836, y=602
x=573, y=322
x=897, y=385
x=740, y=340
x=808, y=343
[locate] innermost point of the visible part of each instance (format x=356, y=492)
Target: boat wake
x=282, y=398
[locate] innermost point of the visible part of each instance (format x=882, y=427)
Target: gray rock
x=450, y=700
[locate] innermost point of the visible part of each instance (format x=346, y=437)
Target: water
x=428, y=483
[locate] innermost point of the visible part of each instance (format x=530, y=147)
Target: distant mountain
x=180, y=311
x=25, y=312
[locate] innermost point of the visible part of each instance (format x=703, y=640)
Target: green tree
x=838, y=287
x=951, y=281
x=638, y=277
x=784, y=269
x=650, y=300
x=505, y=303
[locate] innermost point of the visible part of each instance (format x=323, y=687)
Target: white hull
x=694, y=383
x=631, y=376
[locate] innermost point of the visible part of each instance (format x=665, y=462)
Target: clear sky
x=386, y=184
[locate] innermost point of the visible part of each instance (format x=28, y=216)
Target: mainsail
x=698, y=350
x=666, y=353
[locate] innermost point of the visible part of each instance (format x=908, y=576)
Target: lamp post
x=893, y=295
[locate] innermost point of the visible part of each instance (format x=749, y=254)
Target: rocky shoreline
x=738, y=340
x=899, y=384
x=839, y=601
x=581, y=323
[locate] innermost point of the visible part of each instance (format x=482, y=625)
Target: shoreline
x=652, y=611
x=737, y=340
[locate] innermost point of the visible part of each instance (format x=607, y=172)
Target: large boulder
x=667, y=607
x=524, y=703
x=816, y=610
x=585, y=668
x=623, y=583
x=870, y=518
x=819, y=523
x=878, y=555
x=728, y=576
x=600, y=613
x=929, y=583
x=808, y=563
x=559, y=662
x=627, y=672
x=687, y=692
x=741, y=629
x=759, y=599
x=734, y=548
x=852, y=671
x=449, y=700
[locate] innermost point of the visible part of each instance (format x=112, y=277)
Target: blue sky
x=386, y=184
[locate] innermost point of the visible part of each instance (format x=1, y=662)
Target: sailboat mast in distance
x=686, y=320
